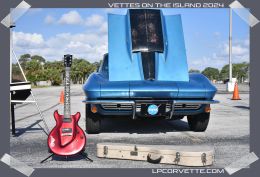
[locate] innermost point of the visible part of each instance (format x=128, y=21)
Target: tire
x=92, y=121
x=199, y=122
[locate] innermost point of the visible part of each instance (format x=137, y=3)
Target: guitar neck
x=67, y=112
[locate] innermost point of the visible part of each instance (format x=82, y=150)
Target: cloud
x=49, y=19
x=220, y=57
x=94, y=20
x=71, y=18
x=202, y=63
x=237, y=49
x=74, y=18
x=103, y=28
x=90, y=46
x=28, y=40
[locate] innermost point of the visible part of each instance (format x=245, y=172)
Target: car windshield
x=146, y=30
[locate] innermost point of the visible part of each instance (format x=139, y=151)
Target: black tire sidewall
x=92, y=121
x=198, y=122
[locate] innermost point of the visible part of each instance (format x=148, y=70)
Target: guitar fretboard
x=67, y=93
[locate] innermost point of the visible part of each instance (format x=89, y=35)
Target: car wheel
x=199, y=122
x=92, y=121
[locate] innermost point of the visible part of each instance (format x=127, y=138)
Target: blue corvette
x=145, y=73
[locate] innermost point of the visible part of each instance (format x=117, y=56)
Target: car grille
x=180, y=106
x=128, y=107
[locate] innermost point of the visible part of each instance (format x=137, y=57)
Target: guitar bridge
x=66, y=134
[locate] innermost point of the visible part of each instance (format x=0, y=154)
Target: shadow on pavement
x=20, y=131
x=75, y=157
x=142, y=126
x=243, y=107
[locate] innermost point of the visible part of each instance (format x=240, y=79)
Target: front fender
x=92, y=86
x=210, y=89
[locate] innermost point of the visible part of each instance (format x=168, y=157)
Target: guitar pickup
x=66, y=130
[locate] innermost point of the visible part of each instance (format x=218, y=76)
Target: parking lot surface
x=227, y=133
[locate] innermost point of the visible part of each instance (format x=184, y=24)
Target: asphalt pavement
x=227, y=133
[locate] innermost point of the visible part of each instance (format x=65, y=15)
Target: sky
x=52, y=32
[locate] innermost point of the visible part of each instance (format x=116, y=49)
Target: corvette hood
x=153, y=89
x=157, y=90
x=197, y=87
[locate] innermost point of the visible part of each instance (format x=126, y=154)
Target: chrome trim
x=188, y=106
x=113, y=106
x=133, y=103
x=149, y=101
x=134, y=111
x=197, y=101
x=172, y=111
x=108, y=101
x=113, y=101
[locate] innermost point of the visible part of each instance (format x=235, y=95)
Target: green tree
x=211, y=73
x=38, y=58
x=57, y=65
x=38, y=69
x=96, y=64
x=55, y=76
x=194, y=71
x=34, y=71
x=239, y=71
x=80, y=70
x=224, y=73
x=25, y=56
x=23, y=59
x=54, y=71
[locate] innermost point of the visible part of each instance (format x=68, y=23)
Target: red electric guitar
x=67, y=138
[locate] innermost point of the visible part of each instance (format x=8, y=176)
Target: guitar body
x=66, y=138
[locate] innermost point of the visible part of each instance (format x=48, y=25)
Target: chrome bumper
x=133, y=103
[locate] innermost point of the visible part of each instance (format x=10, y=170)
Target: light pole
x=230, y=44
x=230, y=84
x=250, y=19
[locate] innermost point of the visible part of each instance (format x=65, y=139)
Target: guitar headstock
x=67, y=60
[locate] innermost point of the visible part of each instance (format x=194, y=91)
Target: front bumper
x=135, y=103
